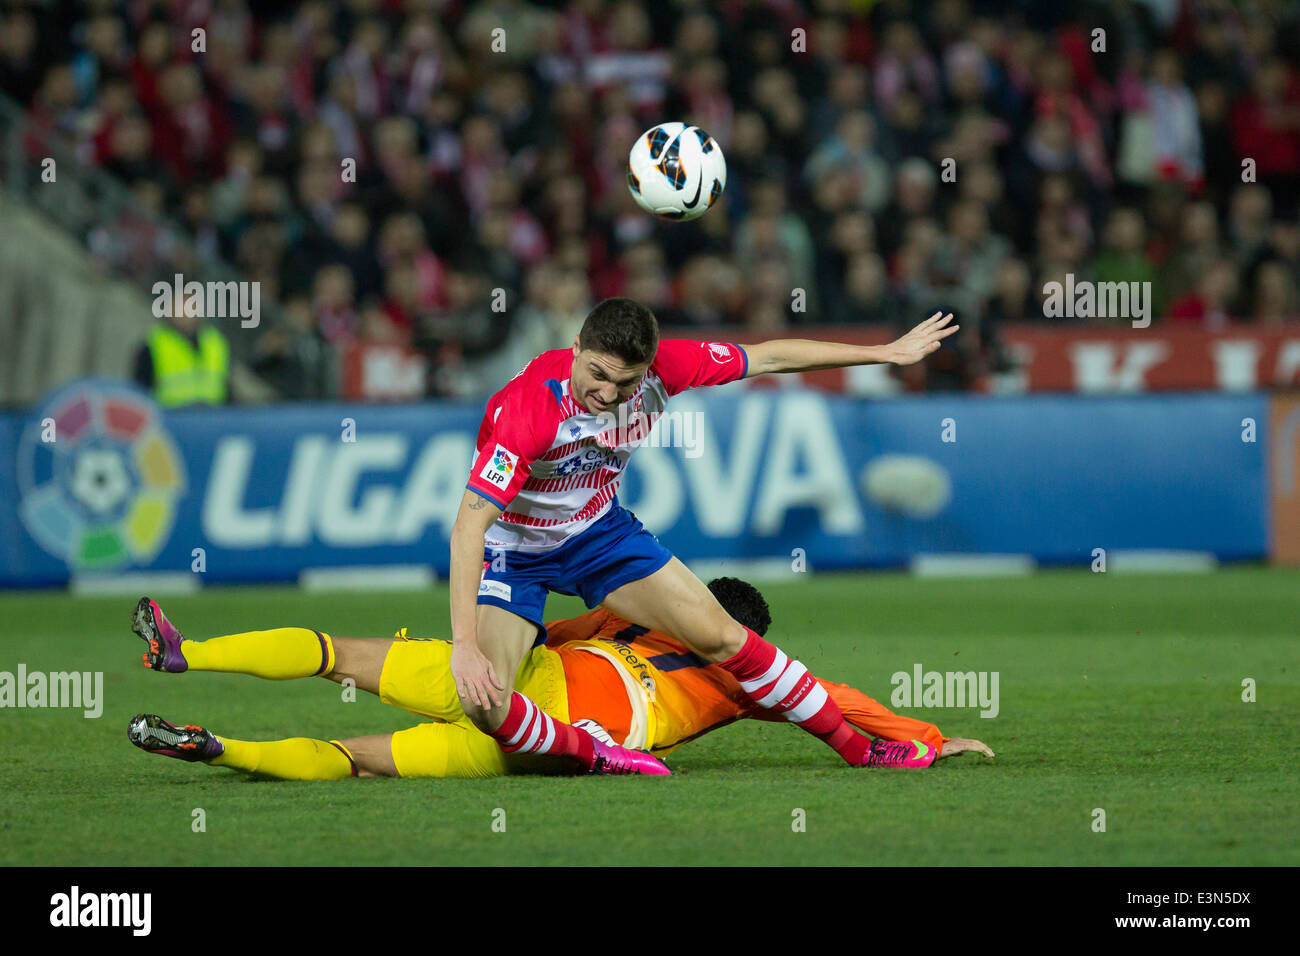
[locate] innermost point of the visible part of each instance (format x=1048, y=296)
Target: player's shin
x=774, y=682
x=298, y=758
x=282, y=653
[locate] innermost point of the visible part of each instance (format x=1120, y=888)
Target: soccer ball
x=676, y=171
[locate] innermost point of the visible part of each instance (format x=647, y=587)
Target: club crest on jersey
x=721, y=353
x=499, y=468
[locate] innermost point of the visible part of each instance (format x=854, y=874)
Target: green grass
x=1117, y=691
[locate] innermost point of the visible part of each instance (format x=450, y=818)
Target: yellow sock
x=281, y=653
x=298, y=758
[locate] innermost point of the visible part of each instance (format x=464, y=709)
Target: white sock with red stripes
x=527, y=729
x=774, y=682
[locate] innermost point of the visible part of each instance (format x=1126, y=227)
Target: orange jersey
x=658, y=694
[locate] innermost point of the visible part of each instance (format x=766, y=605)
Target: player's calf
x=775, y=682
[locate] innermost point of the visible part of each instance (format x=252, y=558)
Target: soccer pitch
x=1117, y=692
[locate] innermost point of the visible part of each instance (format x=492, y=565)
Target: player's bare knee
x=371, y=756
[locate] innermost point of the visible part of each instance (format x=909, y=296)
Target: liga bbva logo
x=98, y=476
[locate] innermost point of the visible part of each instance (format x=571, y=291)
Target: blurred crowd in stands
x=1114, y=156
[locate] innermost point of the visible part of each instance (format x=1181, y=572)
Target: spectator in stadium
x=960, y=271
x=1063, y=228
x=294, y=359
x=915, y=185
x=1012, y=299
x=1274, y=294
x=1222, y=167
x=1284, y=241
x=1266, y=127
x=1197, y=246
x=56, y=108
x=1162, y=134
x=464, y=341
x=852, y=148
x=1123, y=257
x=21, y=63
x=1212, y=304
x=866, y=297
x=1249, y=216
x=772, y=233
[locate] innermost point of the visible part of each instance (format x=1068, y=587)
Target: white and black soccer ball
x=676, y=171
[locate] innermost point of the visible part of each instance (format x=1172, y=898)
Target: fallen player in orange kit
x=636, y=687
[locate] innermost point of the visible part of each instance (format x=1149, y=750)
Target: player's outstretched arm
x=476, y=680
x=960, y=745
x=807, y=355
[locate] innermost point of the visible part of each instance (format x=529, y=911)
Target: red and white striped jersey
x=552, y=466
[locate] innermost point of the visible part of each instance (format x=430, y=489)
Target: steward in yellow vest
x=184, y=369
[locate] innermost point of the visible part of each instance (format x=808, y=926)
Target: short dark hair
x=621, y=327
x=743, y=602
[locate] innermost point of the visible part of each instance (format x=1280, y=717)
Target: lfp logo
x=98, y=477
x=502, y=463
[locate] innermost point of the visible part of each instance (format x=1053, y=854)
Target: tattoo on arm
x=478, y=504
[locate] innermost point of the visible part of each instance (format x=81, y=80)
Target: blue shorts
x=614, y=550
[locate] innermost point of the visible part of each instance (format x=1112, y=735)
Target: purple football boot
x=154, y=735
x=151, y=624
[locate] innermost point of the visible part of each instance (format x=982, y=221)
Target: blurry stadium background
x=425, y=202
x=885, y=160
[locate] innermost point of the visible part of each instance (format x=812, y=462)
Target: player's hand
x=922, y=340
x=960, y=745
x=476, y=679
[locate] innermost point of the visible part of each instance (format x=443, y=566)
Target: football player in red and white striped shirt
x=539, y=514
